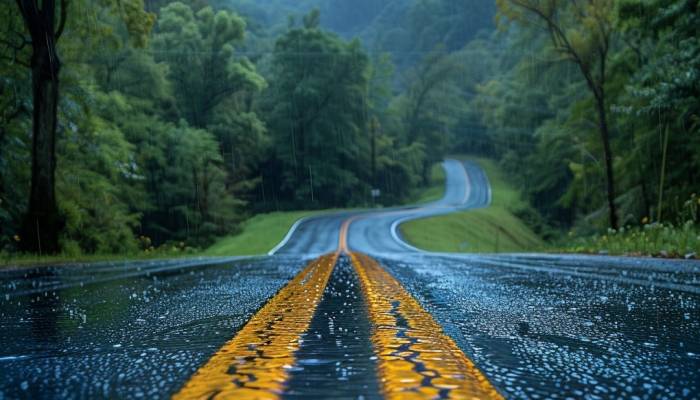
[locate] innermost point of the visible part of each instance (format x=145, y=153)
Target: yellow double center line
x=415, y=358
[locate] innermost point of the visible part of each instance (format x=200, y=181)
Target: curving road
x=536, y=326
x=375, y=232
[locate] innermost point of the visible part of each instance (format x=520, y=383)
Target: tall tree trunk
x=607, y=153
x=42, y=221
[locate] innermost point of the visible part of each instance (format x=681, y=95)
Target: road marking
x=397, y=238
x=467, y=193
x=287, y=236
x=416, y=359
x=343, y=237
x=255, y=363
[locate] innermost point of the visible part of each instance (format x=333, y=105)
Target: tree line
x=126, y=124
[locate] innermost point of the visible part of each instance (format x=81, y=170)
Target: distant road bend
x=345, y=308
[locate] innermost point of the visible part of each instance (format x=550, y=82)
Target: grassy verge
x=655, y=240
x=492, y=229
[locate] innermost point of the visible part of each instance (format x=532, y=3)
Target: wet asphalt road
x=538, y=326
x=567, y=327
x=135, y=337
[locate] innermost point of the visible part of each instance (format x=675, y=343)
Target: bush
x=652, y=239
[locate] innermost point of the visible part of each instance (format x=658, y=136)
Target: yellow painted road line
x=343, y=237
x=417, y=360
x=255, y=363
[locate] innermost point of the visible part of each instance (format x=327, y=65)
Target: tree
x=430, y=106
x=199, y=48
x=214, y=89
x=317, y=114
x=660, y=105
x=45, y=22
x=582, y=32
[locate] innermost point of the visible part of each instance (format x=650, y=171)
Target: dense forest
x=129, y=124
x=594, y=107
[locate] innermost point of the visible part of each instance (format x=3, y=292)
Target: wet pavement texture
x=537, y=326
x=539, y=332
x=131, y=334
x=336, y=358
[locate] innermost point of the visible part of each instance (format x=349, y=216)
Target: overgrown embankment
x=656, y=239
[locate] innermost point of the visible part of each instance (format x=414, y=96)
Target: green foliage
x=317, y=106
x=161, y=138
x=681, y=239
x=91, y=152
x=176, y=129
x=128, y=165
x=537, y=103
x=199, y=49
x=214, y=89
x=96, y=191
x=429, y=107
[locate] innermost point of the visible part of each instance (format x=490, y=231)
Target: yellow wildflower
x=17, y=238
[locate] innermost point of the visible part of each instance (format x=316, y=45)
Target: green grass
x=492, y=229
x=655, y=240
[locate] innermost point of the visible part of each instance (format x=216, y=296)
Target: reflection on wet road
x=336, y=358
x=372, y=318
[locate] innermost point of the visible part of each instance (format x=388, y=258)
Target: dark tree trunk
x=607, y=154
x=42, y=222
